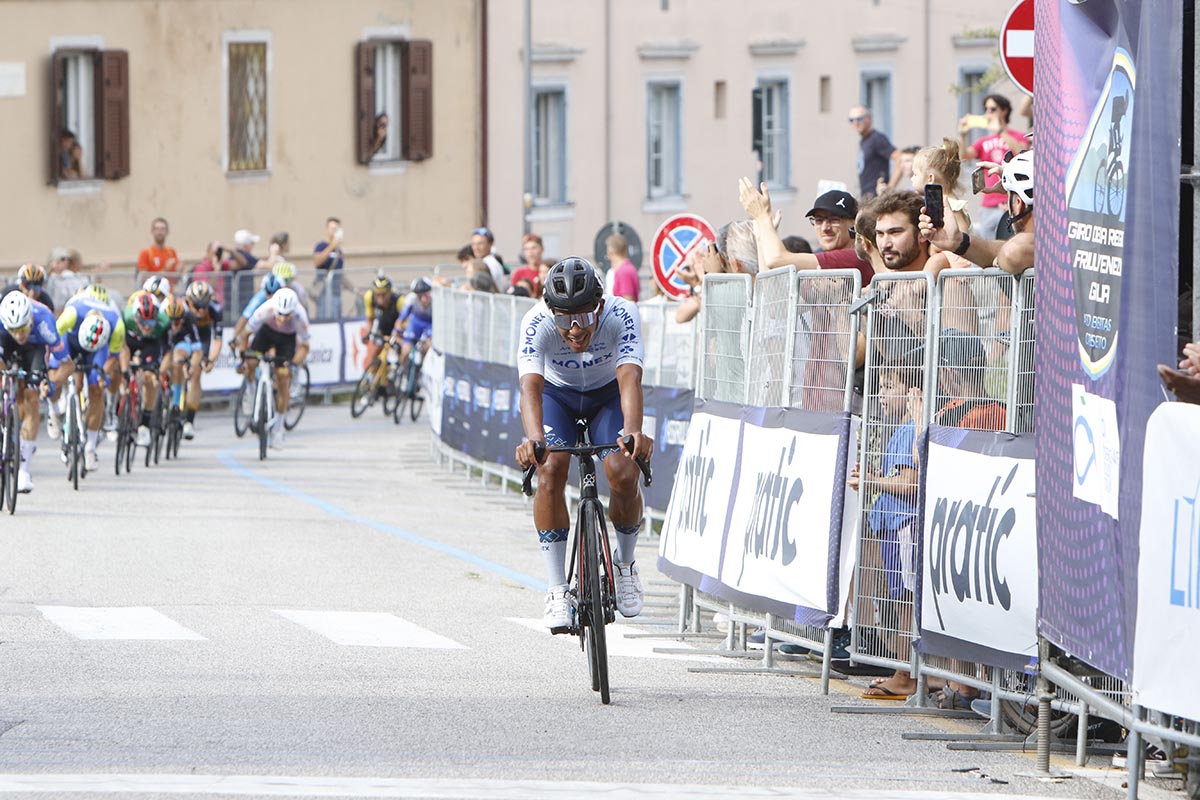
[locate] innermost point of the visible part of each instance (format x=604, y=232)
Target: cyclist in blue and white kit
x=580, y=358
x=94, y=335
x=29, y=340
x=417, y=319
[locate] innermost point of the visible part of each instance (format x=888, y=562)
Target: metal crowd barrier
x=725, y=317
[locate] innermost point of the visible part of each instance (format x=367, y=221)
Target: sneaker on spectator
x=982, y=707
x=558, y=608
x=721, y=622
x=629, y=590
x=793, y=649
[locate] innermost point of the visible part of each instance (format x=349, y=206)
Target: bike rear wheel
x=297, y=397
x=74, y=442
x=243, y=408
x=415, y=401
x=591, y=590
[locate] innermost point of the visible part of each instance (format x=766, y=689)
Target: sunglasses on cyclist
x=583, y=319
x=24, y=329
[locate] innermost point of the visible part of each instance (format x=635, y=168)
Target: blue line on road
x=226, y=458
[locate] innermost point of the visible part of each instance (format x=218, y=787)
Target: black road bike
x=591, y=592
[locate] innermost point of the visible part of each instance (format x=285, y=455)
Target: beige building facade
x=239, y=114
x=643, y=109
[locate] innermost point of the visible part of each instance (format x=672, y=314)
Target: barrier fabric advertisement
x=1167, y=643
x=758, y=510
x=979, y=547
x=1107, y=158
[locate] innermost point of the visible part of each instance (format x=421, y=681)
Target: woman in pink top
x=626, y=283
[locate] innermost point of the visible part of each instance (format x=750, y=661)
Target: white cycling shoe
x=143, y=436
x=91, y=461
x=24, y=481
x=629, y=590
x=189, y=431
x=558, y=608
x=53, y=424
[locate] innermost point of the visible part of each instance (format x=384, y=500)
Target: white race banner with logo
x=694, y=529
x=1166, y=642
x=778, y=540
x=980, y=546
x=325, y=354
x=758, y=514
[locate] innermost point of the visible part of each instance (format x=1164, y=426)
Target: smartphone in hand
x=978, y=180
x=933, y=204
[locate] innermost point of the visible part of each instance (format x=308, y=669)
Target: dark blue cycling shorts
x=599, y=408
x=417, y=330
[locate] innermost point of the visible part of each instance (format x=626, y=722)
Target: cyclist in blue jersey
x=94, y=335
x=29, y=340
x=417, y=319
x=580, y=358
x=271, y=285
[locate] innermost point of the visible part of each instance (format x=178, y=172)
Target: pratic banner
x=758, y=512
x=979, y=583
x=1167, y=643
x=1106, y=162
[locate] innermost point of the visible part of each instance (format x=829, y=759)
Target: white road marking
x=369, y=629
x=437, y=788
x=136, y=622
x=621, y=645
x=1019, y=44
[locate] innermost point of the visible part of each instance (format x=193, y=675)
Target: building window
x=774, y=122
x=248, y=117
x=971, y=90
x=663, y=140
x=394, y=84
x=876, y=94
x=550, y=146
x=89, y=125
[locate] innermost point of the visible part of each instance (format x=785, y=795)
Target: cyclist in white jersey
x=280, y=324
x=580, y=358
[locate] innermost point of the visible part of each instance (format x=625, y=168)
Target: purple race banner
x=1107, y=156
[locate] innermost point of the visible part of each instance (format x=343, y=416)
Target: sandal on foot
x=881, y=692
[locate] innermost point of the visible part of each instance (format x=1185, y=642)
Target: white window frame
x=563, y=160
x=245, y=37
x=82, y=122
x=765, y=80
x=672, y=138
x=881, y=118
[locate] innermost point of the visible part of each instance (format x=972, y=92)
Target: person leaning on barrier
x=1014, y=255
x=734, y=251
x=1184, y=382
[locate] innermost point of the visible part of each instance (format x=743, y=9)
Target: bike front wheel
x=260, y=422
x=591, y=590
x=243, y=408
x=12, y=458
x=362, y=394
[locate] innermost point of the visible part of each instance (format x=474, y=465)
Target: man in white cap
x=244, y=261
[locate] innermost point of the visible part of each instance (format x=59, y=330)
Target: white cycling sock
x=28, y=448
x=626, y=542
x=93, y=439
x=554, y=553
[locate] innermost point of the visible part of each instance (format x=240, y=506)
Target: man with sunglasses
x=30, y=340
x=31, y=280
x=580, y=358
x=874, y=152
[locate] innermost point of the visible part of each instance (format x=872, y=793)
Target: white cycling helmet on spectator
x=286, y=301
x=158, y=286
x=16, y=310
x=1017, y=176
x=94, y=332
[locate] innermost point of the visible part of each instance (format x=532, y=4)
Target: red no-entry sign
x=1016, y=45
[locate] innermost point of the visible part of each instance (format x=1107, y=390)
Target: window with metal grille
x=549, y=146
x=89, y=115
x=248, y=120
x=776, y=135
x=663, y=140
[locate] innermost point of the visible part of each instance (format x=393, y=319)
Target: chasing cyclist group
x=163, y=341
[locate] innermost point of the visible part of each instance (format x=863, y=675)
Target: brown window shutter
x=58, y=77
x=112, y=114
x=364, y=92
x=416, y=75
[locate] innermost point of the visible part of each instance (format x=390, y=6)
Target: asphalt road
x=350, y=619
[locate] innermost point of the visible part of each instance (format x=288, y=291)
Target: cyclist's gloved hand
x=526, y=455
x=643, y=445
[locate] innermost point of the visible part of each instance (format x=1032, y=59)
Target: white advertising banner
x=980, y=550
x=1166, y=642
x=433, y=373
x=224, y=376
x=325, y=354
x=694, y=529
x=778, y=543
